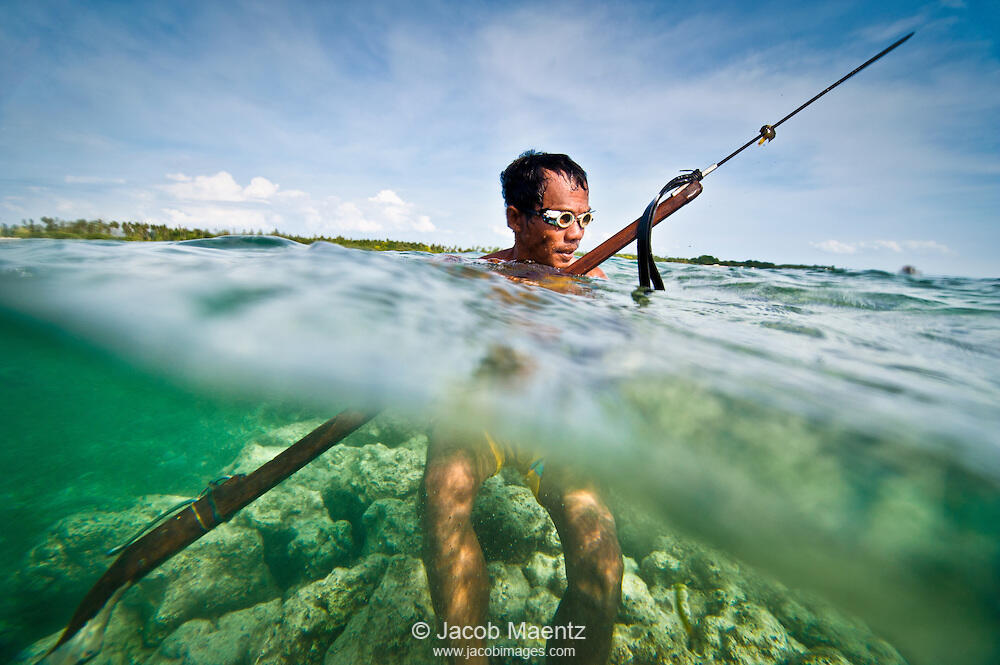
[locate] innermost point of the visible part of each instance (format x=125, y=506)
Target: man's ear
x=515, y=220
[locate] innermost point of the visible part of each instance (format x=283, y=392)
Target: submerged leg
x=593, y=572
x=453, y=558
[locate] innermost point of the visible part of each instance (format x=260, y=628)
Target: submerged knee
x=449, y=485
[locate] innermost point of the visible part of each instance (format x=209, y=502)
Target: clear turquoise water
x=837, y=429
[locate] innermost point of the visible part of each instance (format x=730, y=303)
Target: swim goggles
x=563, y=218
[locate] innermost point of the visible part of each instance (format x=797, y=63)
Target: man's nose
x=574, y=231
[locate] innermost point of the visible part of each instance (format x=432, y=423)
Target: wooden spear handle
x=215, y=507
x=615, y=243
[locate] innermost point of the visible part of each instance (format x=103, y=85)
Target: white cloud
x=219, y=201
x=835, y=247
x=260, y=188
x=220, y=187
x=388, y=197
x=345, y=216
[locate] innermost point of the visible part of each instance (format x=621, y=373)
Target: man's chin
x=562, y=260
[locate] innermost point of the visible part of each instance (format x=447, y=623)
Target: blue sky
x=394, y=120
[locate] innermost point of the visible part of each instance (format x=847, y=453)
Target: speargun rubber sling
x=214, y=507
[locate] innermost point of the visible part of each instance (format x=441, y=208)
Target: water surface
x=836, y=429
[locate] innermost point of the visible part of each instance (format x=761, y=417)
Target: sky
x=379, y=119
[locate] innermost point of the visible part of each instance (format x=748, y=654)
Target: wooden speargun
x=186, y=523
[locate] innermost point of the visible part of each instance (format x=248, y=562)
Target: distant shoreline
x=98, y=229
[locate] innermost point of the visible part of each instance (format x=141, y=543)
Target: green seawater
x=835, y=430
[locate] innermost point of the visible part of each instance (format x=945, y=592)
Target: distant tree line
x=709, y=260
x=98, y=229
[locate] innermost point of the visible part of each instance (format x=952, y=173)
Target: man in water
x=547, y=207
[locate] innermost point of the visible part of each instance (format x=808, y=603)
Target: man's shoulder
x=508, y=255
x=502, y=255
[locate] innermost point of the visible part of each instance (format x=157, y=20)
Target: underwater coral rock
x=63, y=566
x=301, y=542
x=326, y=569
x=510, y=524
x=232, y=640
x=316, y=613
x=391, y=527
x=222, y=572
x=637, y=604
x=367, y=473
x=508, y=592
x=546, y=570
x=380, y=631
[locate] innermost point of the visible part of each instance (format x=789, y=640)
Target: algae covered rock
x=817, y=625
x=122, y=645
x=301, y=542
x=72, y=555
x=508, y=593
x=676, y=560
x=637, y=605
x=540, y=606
x=391, y=430
x=253, y=456
x=662, y=569
x=548, y=571
x=222, y=572
x=510, y=524
x=380, y=631
x=391, y=527
x=326, y=568
x=316, y=613
x=746, y=636
x=366, y=474
x=642, y=644
x=646, y=632
x=820, y=656
x=234, y=639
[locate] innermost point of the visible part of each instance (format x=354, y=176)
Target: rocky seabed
x=325, y=570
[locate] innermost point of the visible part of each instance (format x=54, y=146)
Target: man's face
x=541, y=242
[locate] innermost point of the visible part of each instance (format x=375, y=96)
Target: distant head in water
x=547, y=207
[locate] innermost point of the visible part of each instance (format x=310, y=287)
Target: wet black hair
x=523, y=181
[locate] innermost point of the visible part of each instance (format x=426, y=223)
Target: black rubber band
x=648, y=273
x=215, y=511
